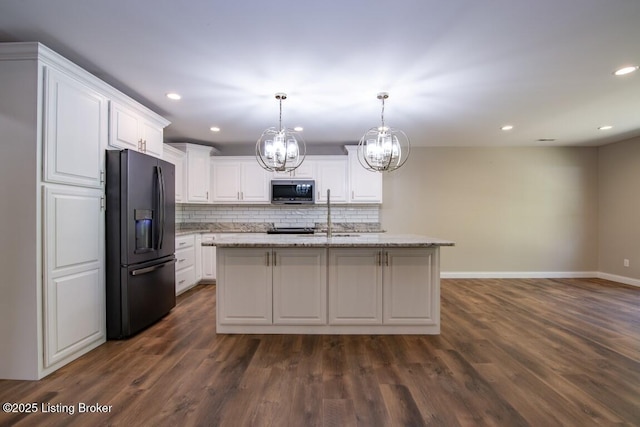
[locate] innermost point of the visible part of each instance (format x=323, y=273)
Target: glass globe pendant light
x=383, y=149
x=280, y=149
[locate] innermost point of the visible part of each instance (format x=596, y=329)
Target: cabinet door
x=355, y=286
x=331, y=175
x=225, y=181
x=177, y=158
x=300, y=286
x=198, y=260
x=152, y=135
x=411, y=289
x=244, y=286
x=124, y=128
x=305, y=171
x=198, y=173
x=254, y=186
x=365, y=186
x=74, y=300
x=75, y=131
x=208, y=259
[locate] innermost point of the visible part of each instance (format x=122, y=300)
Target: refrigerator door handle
x=161, y=206
x=146, y=270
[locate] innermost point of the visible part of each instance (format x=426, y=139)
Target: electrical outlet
x=626, y=262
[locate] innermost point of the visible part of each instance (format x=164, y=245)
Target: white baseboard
x=538, y=275
x=620, y=279
x=517, y=274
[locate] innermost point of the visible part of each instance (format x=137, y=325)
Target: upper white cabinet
x=364, y=186
x=75, y=121
x=305, y=171
x=197, y=165
x=331, y=174
x=238, y=180
x=178, y=158
x=131, y=129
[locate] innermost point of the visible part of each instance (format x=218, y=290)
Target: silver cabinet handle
x=267, y=258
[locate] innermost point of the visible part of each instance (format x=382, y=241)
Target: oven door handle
x=146, y=270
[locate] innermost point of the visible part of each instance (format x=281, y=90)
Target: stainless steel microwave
x=293, y=191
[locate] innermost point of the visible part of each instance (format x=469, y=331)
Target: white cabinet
x=185, y=263
x=197, y=166
x=245, y=286
x=177, y=158
x=197, y=248
x=299, y=286
x=411, y=294
x=364, y=186
x=55, y=122
x=397, y=286
x=331, y=174
x=208, y=259
x=74, y=299
x=130, y=129
x=306, y=170
x=75, y=121
x=238, y=180
x=355, y=286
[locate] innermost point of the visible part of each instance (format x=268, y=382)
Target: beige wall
x=507, y=209
x=619, y=207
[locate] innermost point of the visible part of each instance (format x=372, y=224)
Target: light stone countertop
x=338, y=240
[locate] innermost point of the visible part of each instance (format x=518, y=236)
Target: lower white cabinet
x=245, y=285
x=74, y=300
x=299, y=286
x=411, y=293
x=279, y=286
x=336, y=290
x=208, y=259
x=355, y=286
x=185, y=263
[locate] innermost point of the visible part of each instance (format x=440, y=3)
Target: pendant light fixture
x=383, y=149
x=280, y=149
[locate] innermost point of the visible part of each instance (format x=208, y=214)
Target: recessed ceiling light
x=546, y=139
x=607, y=127
x=298, y=128
x=214, y=129
x=174, y=96
x=626, y=70
x=507, y=127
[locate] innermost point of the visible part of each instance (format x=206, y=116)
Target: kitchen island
x=365, y=283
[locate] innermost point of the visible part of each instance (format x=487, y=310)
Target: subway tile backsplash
x=279, y=215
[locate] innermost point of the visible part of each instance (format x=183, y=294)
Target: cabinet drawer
x=185, y=279
x=185, y=258
x=184, y=241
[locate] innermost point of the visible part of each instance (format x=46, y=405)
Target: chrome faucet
x=329, y=226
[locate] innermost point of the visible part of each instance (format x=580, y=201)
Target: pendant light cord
x=382, y=115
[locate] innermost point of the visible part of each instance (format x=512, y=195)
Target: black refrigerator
x=140, y=241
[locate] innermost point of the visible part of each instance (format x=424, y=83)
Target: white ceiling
x=456, y=70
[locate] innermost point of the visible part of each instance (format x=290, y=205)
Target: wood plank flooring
x=535, y=352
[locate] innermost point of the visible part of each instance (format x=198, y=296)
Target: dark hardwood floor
x=535, y=352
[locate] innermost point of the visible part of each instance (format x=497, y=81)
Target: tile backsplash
x=279, y=215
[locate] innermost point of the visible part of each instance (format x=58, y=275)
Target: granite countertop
x=262, y=227
x=344, y=240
